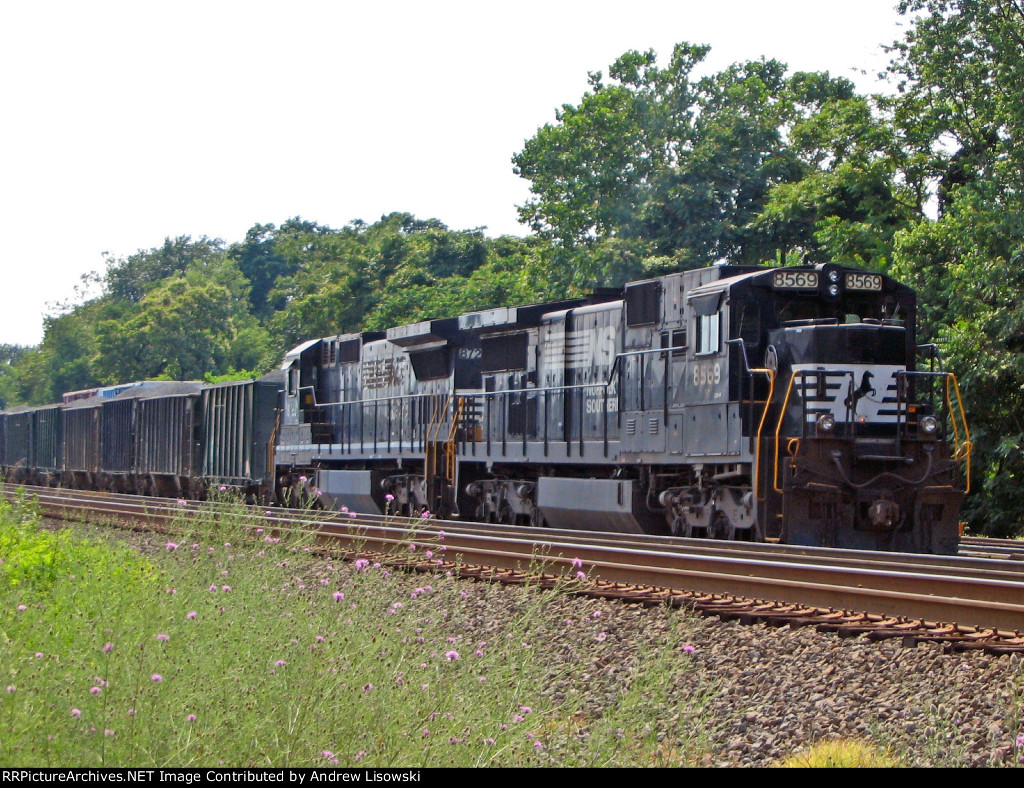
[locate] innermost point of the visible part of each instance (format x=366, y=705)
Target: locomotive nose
x=884, y=514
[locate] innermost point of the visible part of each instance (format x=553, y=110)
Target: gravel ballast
x=775, y=691
x=767, y=692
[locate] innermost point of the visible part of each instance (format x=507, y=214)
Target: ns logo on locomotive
x=788, y=404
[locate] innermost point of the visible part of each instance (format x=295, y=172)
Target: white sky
x=122, y=123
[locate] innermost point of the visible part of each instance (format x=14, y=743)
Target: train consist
x=787, y=404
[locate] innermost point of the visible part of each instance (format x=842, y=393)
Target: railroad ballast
x=768, y=404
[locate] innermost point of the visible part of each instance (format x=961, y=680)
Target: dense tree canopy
x=960, y=116
x=683, y=169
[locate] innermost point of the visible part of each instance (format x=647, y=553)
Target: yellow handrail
x=760, y=427
x=449, y=445
x=778, y=434
x=960, y=450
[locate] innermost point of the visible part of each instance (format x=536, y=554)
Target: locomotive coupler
x=884, y=513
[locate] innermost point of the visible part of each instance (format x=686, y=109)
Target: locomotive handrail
x=764, y=414
x=962, y=445
x=968, y=445
x=605, y=384
x=760, y=428
x=933, y=354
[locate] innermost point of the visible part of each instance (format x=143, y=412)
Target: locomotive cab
x=858, y=457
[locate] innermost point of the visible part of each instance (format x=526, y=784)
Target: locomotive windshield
x=843, y=345
x=852, y=309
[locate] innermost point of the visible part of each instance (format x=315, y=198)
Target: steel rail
x=969, y=598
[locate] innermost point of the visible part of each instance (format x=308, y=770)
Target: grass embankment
x=230, y=647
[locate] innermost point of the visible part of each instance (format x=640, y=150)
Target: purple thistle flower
x=452, y=655
x=108, y=732
x=190, y=718
x=688, y=649
x=163, y=637
x=303, y=479
x=517, y=718
x=525, y=709
x=22, y=608
x=338, y=596
x=172, y=546
x=182, y=502
x=76, y=713
x=107, y=647
x=10, y=688
x=95, y=690
x=280, y=663
x=157, y=678
x=361, y=564
x=222, y=488
x=191, y=614
x=213, y=586
x=225, y=588
x=327, y=754
x=577, y=563
x=601, y=635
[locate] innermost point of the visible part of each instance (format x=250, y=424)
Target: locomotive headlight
x=833, y=289
x=928, y=426
x=826, y=424
x=833, y=276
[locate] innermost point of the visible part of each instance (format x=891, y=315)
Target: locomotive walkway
x=966, y=602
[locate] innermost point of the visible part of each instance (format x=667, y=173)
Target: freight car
x=157, y=438
x=786, y=404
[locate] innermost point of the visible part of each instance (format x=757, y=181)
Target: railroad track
x=964, y=602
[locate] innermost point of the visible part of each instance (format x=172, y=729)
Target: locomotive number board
x=863, y=282
x=795, y=280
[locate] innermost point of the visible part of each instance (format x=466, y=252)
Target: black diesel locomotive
x=729, y=402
